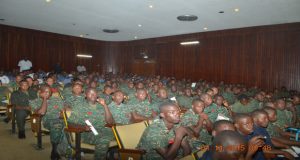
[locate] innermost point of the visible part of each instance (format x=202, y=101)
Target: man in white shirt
x=25, y=65
x=81, y=68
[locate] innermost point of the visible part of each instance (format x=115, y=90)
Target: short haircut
x=240, y=116
x=227, y=140
x=197, y=100
x=219, y=123
x=166, y=104
x=269, y=110
x=258, y=112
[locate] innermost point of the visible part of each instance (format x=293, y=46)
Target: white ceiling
x=91, y=16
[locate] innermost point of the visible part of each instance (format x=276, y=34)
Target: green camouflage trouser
x=100, y=141
x=55, y=126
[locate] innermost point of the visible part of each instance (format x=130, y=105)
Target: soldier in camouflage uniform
x=272, y=128
x=217, y=108
x=185, y=100
x=244, y=105
x=50, y=108
x=76, y=94
x=120, y=111
x=20, y=100
x=284, y=117
x=199, y=122
x=97, y=112
x=106, y=94
x=140, y=106
x=161, y=97
x=161, y=140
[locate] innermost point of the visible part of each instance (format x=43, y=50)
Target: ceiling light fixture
x=84, y=55
x=189, y=43
x=150, y=6
x=187, y=17
x=81, y=35
x=236, y=9
x=205, y=28
x=48, y=1
x=110, y=30
x=135, y=37
x=139, y=25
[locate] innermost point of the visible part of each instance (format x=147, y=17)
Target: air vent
x=187, y=17
x=1, y=19
x=110, y=30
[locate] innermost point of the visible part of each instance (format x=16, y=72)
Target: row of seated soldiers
x=122, y=102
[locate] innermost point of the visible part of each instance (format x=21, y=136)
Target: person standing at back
x=25, y=65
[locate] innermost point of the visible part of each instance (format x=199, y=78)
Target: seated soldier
x=122, y=113
x=284, y=117
x=50, y=107
x=106, y=94
x=161, y=140
x=162, y=96
x=20, y=99
x=200, y=124
x=244, y=105
x=261, y=121
x=186, y=99
x=140, y=106
x=222, y=107
x=226, y=145
x=77, y=95
x=276, y=133
x=222, y=125
x=97, y=112
x=55, y=89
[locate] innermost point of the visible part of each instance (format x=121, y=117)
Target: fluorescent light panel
x=189, y=43
x=84, y=55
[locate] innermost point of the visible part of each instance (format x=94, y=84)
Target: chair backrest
x=128, y=136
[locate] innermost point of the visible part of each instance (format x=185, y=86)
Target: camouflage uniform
x=71, y=100
x=121, y=113
x=143, y=108
x=157, y=102
x=284, y=118
x=298, y=115
x=107, y=98
x=51, y=120
x=213, y=110
x=21, y=99
x=272, y=130
x=185, y=101
x=154, y=137
x=96, y=115
x=230, y=97
x=238, y=107
x=190, y=118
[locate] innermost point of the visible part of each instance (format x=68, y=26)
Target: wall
x=265, y=56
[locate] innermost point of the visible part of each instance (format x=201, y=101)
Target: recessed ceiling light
x=48, y=1
x=139, y=25
x=110, y=30
x=236, y=9
x=150, y=6
x=135, y=37
x=87, y=34
x=187, y=17
x=205, y=28
x=221, y=11
x=81, y=35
